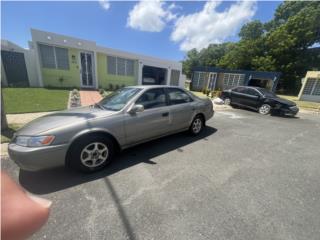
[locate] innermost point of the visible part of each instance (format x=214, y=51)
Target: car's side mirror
x=136, y=108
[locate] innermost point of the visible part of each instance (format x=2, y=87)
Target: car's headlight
x=38, y=141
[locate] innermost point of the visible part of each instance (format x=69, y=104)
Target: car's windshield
x=117, y=100
x=266, y=92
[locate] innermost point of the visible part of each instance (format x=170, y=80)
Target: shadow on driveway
x=51, y=180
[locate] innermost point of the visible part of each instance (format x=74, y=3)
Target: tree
x=284, y=44
x=252, y=30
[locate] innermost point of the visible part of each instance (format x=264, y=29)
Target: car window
x=239, y=89
x=252, y=92
x=118, y=99
x=153, y=98
x=178, y=96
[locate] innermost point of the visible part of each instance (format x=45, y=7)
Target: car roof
x=152, y=86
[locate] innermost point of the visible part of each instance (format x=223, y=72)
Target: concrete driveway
x=247, y=176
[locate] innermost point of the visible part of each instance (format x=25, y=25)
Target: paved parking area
x=247, y=176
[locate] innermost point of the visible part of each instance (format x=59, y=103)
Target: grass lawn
x=26, y=100
x=7, y=134
x=303, y=104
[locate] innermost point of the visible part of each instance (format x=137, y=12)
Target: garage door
x=15, y=68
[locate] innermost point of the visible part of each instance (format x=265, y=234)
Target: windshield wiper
x=99, y=106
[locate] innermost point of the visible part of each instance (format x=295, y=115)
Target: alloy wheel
x=94, y=154
x=264, y=109
x=197, y=125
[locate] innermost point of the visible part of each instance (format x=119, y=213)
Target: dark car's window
x=239, y=89
x=250, y=91
x=117, y=100
x=153, y=98
x=267, y=93
x=178, y=96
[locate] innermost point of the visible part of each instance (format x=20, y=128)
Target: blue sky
x=163, y=30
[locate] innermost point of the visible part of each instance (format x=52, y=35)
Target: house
x=55, y=60
x=310, y=90
x=213, y=78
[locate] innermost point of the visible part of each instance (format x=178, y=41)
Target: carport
x=154, y=75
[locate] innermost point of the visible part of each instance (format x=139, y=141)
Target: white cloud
x=105, y=4
x=207, y=26
x=150, y=15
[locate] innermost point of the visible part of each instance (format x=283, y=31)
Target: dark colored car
x=259, y=99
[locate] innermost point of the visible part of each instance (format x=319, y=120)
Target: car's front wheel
x=196, y=125
x=265, y=109
x=91, y=153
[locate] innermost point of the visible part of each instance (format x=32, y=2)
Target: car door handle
x=166, y=114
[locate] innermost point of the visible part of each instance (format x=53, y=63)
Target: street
x=247, y=176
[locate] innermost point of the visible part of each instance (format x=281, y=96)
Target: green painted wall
x=71, y=77
x=105, y=79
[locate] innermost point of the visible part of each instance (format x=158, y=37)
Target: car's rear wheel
x=265, y=109
x=91, y=153
x=227, y=101
x=197, y=125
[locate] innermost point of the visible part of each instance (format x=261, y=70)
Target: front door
x=212, y=81
x=86, y=71
x=153, y=121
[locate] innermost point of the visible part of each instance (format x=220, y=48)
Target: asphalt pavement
x=247, y=176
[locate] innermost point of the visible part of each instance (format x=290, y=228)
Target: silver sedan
x=87, y=138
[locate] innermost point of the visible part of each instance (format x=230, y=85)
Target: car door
x=181, y=108
x=150, y=123
x=250, y=97
x=237, y=96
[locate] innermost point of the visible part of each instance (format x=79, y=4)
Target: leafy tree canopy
x=282, y=44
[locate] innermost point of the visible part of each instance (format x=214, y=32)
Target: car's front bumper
x=292, y=111
x=38, y=158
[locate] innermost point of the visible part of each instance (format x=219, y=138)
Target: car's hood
x=284, y=101
x=62, y=118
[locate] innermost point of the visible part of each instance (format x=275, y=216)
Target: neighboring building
x=310, y=90
x=54, y=60
x=220, y=79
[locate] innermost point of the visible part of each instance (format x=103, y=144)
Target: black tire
x=80, y=148
x=195, y=129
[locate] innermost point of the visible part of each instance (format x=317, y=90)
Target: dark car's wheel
x=227, y=101
x=265, y=109
x=91, y=153
x=196, y=125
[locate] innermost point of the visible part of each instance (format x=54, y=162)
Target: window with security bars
x=174, y=78
x=120, y=66
x=62, y=58
x=232, y=80
x=112, y=65
x=129, y=67
x=312, y=87
x=47, y=56
x=54, y=57
x=316, y=90
x=198, y=79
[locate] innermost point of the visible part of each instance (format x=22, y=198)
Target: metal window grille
x=62, y=59
x=129, y=67
x=309, y=86
x=174, y=78
x=112, y=65
x=316, y=90
x=121, y=66
x=47, y=56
